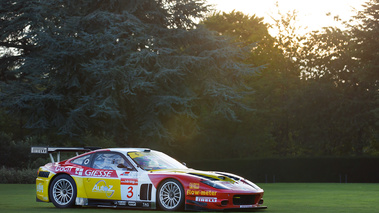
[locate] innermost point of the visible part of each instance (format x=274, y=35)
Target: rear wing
x=58, y=150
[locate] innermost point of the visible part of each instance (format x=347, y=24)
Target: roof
x=127, y=149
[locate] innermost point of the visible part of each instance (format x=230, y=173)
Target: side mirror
x=184, y=163
x=122, y=166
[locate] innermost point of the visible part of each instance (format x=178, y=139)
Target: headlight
x=214, y=184
x=251, y=184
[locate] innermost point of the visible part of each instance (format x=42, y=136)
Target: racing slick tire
x=170, y=195
x=63, y=191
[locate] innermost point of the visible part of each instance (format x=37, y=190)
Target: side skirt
x=115, y=203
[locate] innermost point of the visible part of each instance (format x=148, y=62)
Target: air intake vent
x=43, y=174
x=243, y=199
x=145, y=191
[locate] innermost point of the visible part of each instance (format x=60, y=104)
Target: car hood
x=202, y=174
x=227, y=179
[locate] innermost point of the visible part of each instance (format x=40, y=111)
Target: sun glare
x=311, y=15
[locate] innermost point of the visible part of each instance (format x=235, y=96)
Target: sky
x=311, y=14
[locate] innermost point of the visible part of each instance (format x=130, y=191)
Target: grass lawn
x=279, y=197
x=321, y=197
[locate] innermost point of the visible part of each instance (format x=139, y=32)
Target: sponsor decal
x=207, y=199
x=145, y=204
x=40, y=187
x=246, y=206
x=122, y=203
x=129, y=181
x=201, y=192
x=62, y=169
x=135, y=154
x=128, y=174
x=79, y=171
x=131, y=203
x=39, y=150
x=98, y=173
x=194, y=185
x=101, y=187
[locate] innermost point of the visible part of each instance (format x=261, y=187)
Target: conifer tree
x=114, y=67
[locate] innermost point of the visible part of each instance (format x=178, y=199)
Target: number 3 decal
x=130, y=192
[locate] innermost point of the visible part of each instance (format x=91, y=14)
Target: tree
x=366, y=44
x=265, y=130
x=342, y=64
x=118, y=68
x=366, y=53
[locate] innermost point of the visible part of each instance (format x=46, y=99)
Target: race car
x=139, y=178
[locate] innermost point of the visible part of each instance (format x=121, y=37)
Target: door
x=105, y=179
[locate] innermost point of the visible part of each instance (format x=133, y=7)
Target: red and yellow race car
x=139, y=178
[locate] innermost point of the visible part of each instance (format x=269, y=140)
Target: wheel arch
x=169, y=178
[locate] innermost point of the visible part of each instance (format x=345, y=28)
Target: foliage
x=343, y=77
x=286, y=169
x=11, y=176
x=114, y=68
x=265, y=130
x=16, y=153
x=144, y=73
x=316, y=95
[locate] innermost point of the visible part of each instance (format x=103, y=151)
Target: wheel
x=170, y=195
x=63, y=191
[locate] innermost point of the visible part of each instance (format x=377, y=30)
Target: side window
x=109, y=161
x=83, y=161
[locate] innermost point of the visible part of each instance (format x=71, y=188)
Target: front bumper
x=225, y=201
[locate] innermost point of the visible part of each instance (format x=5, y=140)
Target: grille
x=43, y=174
x=243, y=199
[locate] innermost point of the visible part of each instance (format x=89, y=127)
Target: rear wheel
x=63, y=191
x=170, y=195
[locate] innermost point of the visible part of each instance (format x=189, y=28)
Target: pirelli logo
x=207, y=199
x=39, y=150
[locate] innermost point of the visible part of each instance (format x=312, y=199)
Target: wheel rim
x=170, y=195
x=63, y=192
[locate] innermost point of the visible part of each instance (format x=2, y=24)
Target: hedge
x=343, y=170
x=333, y=170
x=24, y=176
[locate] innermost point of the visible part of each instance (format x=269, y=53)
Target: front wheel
x=170, y=195
x=63, y=191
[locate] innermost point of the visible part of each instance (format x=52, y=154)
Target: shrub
x=23, y=176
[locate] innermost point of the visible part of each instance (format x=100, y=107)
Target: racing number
x=130, y=192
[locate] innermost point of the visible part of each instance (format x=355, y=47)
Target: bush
x=16, y=153
x=23, y=176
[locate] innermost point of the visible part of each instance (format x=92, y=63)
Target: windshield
x=152, y=160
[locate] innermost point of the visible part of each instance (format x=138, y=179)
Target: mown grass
x=321, y=197
x=279, y=197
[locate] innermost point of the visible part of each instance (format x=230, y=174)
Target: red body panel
x=199, y=196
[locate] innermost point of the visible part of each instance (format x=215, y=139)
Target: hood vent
x=203, y=176
x=229, y=176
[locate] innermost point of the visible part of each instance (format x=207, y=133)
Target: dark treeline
x=148, y=73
